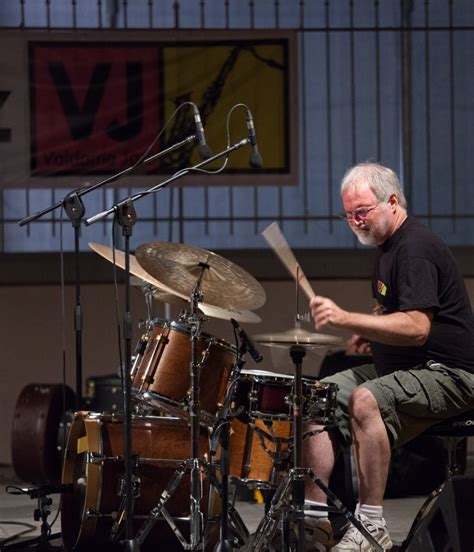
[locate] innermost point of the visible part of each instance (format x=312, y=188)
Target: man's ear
x=393, y=200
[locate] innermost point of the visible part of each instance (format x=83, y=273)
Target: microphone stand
x=161, y=185
x=75, y=210
x=126, y=217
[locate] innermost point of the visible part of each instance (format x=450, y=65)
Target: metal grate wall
x=386, y=80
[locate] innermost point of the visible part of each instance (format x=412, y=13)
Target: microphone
x=255, y=160
x=204, y=150
x=254, y=353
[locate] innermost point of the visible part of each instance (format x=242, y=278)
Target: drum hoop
x=90, y=424
x=262, y=375
x=94, y=472
x=184, y=329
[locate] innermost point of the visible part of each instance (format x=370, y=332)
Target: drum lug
x=95, y=457
x=90, y=513
x=288, y=400
x=253, y=396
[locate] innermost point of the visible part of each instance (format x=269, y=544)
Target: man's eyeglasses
x=358, y=214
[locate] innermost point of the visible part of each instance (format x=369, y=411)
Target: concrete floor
x=16, y=512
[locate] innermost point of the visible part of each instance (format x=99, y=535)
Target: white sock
x=321, y=514
x=372, y=512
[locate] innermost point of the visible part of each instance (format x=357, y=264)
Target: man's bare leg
x=372, y=446
x=318, y=454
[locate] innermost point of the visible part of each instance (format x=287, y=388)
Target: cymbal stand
x=194, y=464
x=196, y=517
x=288, y=503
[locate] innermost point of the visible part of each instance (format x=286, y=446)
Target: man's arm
x=409, y=328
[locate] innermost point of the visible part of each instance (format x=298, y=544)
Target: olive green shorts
x=410, y=401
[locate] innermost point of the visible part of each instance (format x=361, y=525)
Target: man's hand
x=358, y=345
x=326, y=313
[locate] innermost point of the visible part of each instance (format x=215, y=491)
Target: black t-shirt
x=414, y=270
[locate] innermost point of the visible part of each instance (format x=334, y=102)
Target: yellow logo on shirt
x=381, y=288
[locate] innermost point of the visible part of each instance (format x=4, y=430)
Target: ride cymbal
x=179, y=267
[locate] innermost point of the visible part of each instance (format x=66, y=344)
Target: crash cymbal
x=298, y=336
x=136, y=270
x=179, y=266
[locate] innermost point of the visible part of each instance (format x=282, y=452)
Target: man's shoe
x=354, y=541
x=319, y=534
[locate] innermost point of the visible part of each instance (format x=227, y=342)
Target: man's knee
x=362, y=404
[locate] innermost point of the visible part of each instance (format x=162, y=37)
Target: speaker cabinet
x=447, y=525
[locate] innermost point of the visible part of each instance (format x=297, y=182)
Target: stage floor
x=16, y=512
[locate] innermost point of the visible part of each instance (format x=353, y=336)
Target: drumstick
x=278, y=243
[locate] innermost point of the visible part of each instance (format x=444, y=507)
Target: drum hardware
x=121, y=512
x=160, y=509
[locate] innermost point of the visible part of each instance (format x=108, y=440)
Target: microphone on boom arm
x=255, y=160
x=204, y=150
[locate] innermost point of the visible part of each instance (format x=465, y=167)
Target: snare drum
x=268, y=396
x=94, y=467
x=256, y=459
x=161, y=375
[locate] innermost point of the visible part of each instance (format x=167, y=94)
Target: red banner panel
x=94, y=108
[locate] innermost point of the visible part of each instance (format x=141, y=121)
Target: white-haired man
x=421, y=335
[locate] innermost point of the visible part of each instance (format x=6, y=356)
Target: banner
x=75, y=109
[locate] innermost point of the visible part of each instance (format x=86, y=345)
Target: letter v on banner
x=92, y=106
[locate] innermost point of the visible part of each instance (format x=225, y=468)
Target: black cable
x=11, y=538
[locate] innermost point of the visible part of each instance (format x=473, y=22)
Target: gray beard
x=365, y=239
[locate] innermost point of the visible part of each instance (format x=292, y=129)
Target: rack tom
x=161, y=372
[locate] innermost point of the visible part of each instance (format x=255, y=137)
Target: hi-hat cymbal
x=298, y=336
x=179, y=266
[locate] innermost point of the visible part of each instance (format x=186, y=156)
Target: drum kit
x=246, y=418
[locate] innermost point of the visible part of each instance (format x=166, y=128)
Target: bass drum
x=95, y=470
x=38, y=433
